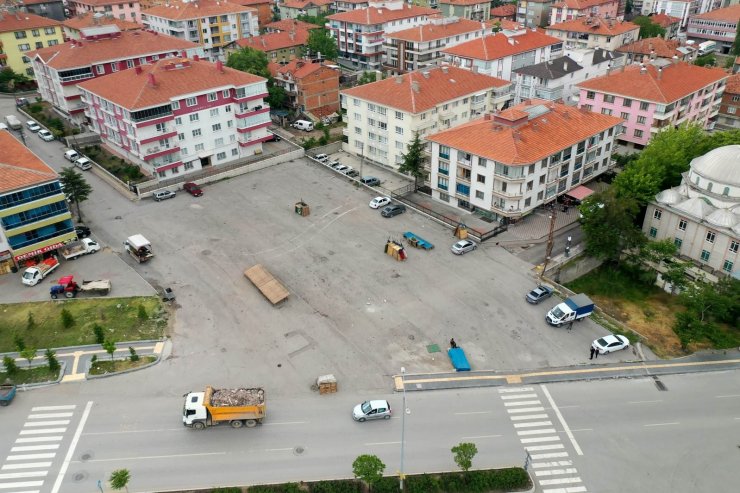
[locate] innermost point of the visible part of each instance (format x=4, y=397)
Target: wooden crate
x=327, y=384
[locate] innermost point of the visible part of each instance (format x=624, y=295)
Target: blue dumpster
x=458, y=359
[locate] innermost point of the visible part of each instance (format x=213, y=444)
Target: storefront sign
x=38, y=252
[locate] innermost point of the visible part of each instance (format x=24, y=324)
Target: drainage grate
x=660, y=385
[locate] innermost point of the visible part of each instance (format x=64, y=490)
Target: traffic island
x=107, y=368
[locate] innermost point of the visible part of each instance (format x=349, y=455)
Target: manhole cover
x=299, y=450
x=86, y=457
x=80, y=476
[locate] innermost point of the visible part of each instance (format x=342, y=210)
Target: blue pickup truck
x=7, y=394
x=577, y=307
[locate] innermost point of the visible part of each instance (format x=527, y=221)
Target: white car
x=379, y=202
x=33, y=126
x=463, y=246
x=610, y=343
x=45, y=135
x=379, y=409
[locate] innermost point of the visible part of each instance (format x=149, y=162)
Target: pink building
x=652, y=97
x=179, y=115
x=572, y=9
x=123, y=10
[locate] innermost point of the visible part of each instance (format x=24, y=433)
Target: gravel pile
x=237, y=397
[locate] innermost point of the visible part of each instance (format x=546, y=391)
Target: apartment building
x=506, y=164
x=264, y=9
x=213, y=24
x=675, y=8
x=51, y=9
x=347, y=5
x=701, y=214
x=719, y=25
x=100, y=51
x=421, y=46
x=289, y=25
x=652, y=48
x=475, y=10
x=34, y=218
x=671, y=24
x=504, y=12
x=650, y=97
x=568, y=10
x=360, y=33
x=533, y=13
x=383, y=117
x=179, y=115
x=73, y=27
x=291, y=9
x=280, y=47
x=123, y=10
x=729, y=109
x=499, y=54
x=595, y=32
x=312, y=87
x=22, y=33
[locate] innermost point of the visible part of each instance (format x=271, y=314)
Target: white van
x=14, y=123
x=71, y=155
x=83, y=163
x=304, y=125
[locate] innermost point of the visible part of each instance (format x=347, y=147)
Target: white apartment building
x=506, y=164
x=179, y=115
x=595, y=32
x=210, y=23
x=675, y=8
x=383, y=117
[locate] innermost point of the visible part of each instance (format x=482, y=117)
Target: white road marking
x=29, y=448
x=526, y=410
x=535, y=432
x=278, y=449
x=506, y=390
x=27, y=474
x=148, y=457
x=27, y=465
x=481, y=436
x=538, y=448
x=558, y=463
x=540, y=439
x=552, y=455
x=533, y=423
x=382, y=443
x=726, y=396
x=547, y=482
x=519, y=396
x=570, y=406
x=582, y=429
x=562, y=420
x=38, y=439
x=529, y=416
x=522, y=403
x=53, y=408
x=24, y=484
x=661, y=424
x=644, y=402
x=43, y=431
x=576, y=489
x=31, y=456
x=72, y=446
x=50, y=415
x=556, y=472
x=47, y=423
x=472, y=412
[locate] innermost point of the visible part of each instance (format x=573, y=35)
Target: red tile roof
x=507, y=24
x=86, y=20
x=254, y=2
x=97, y=3
x=463, y=2
x=416, y=92
x=504, y=11
x=19, y=167
x=663, y=48
x=300, y=4
x=595, y=25
x=733, y=84
x=179, y=10
x=664, y=20
x=429, y=32
x=21, y=21
x=581, y=4
x=731, y=13
x=274, y=41
x=498, y=45
x=290, y=25
x=677, y=81
x=133, y=91
x=495, y=137
x=375, y=15
x=130, y=44
x=298, y=68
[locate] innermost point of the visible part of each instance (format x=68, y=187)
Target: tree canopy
x=413, y=160
x=320, y=41
x=368, y=468
x=608, y=225
x=648, y=29
x=367, y=77
x=463, y=454
x=249, y=60
x=76, y=188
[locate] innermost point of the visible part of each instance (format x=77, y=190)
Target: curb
x=30, y=386
x=130, y=370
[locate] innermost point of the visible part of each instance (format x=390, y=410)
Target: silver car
x=463, y=246
x=379, y=409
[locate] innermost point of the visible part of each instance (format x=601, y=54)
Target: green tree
x=675, y=275
x=629, y=6
x=30, y=321
x=368, y=468
x=11, y=368
x=249, y=60
x=648, y=29
x=317, y=20
x=320, y=41
x=99, y=334
x=142, y=313
x=413, y=161
x=52, y=361
x=20, y=344
x=29, y=354
x=76, y=188
x=110, y=348
x=608, y=225
x=132, y=352
x=277, y=97
x=735, y=50
x=68, y=319
x=119, y=479
x=708, y=60
x=367, y=77
x=463, y=454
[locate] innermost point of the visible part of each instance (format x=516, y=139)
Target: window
x=199, y=147
x=626, y=102
x=705, y=256
x=24, y=47
x=214, y=112
x=727, y=266
x=399, y=115
x=678, y=242
x=227, y=108
x=219, y=142
x=221, y=155
x=194, y=117
x=399, y=130
x=590, y=95
x=682, y=224
x=479, y=195
x=196, y=132
x=625, y=116
x=605, y=111
x=184, y=151
x=235, y=152
x=608, y=98
x=212, y=96
x=20, y=35
x=50, y=30
x=644, y=105
x=161, y=127
x=653, y=232
x=216, y=127
x=180, y=136
x=638, y=133
x=480, y=178
x=710, y=236
x=657, y=214
x=191, y=102
x=189, y=166
x=39, y=45
x=178, y=121
x=641, y=119
x=226, y=93
x=734, y=246
x=528, y=202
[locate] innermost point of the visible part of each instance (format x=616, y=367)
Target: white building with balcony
x=178, y=115
x=506, y=164
x=383, y=117
x=101, y=50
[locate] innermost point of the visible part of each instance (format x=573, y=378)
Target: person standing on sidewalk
x=592, y=353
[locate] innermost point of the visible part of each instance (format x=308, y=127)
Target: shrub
x=51, y=359
x=30, y=323
x=99, y=334
x=94, y=359
x=142, y=313
x=134, y=356
x=67, y=319
x=20, y=344
x=10, y=367
x=387, y=484
x=423, y=483
x=340, y=486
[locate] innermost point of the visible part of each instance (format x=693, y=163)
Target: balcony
x=465, y=163
x=463, y=179
x=152, y=153
x=506, y=193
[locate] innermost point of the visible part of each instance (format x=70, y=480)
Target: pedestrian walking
x=570, y=325
x=453, y=344
x=596, y=353
x=592, y=353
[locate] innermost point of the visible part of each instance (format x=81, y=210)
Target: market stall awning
x=580, y=192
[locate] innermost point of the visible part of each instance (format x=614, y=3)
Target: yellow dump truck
x=238, y=407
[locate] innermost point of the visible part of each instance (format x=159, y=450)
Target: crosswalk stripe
x=547, y=482
x=529, y=416
x=24, y=484
x=43, y=431
x=572, y=489
x=558, y=463
x=29, y=448
x=27, y=465
x=556, y=472
x=31, y=456
x=526, y=410
x=38, y=439
x=506, y=390
x=50, y=415
x=47, y=423
x=532, y=424
x=28, y=474
x=522, y=403
x=53, y=408
x=537, y=448
x=519, y=396
x=540, y=439
x=551, y=455
x=535, y=432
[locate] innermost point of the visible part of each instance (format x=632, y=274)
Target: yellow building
x=20, y=34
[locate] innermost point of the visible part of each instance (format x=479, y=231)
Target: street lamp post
x=403, y=425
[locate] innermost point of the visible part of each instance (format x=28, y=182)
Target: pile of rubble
x=237, y=397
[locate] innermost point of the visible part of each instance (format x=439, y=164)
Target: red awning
x=580, y=192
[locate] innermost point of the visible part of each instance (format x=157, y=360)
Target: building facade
x=311, y=87
x=383, y=117
x=347, y=5
x=656, y=96
x=729, y=110
x=719, y=25
x=264, y=10
x=291, y=9
x=178, y=115
x=675, y=8
x=20, y=34
x=652, y=48
x=280, y=47
x=475, y=10
x=100, y=51
x=595, y=32
x=51, y=9
x=702, y=214
x=533, y=13
x=125, y=11
x=34, y=218
x=506, y=164
x=567, y=10
x=73, y=27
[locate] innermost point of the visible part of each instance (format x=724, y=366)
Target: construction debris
x=237, y=397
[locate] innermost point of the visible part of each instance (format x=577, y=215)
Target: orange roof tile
x=731, y=13
x=493, y=137
x=19, y=167
x=179, y=10
x=254, y=2
x=595, y=25
x=463, y=2
x=97, y=3
x=274, y=41
x=130, y=44
x=498, y=45
x=663, y=48
x=677, y=81
x=733, y=84
x=416, y=92
x=664, y=20
x=24, y=20
x=375, y=15
x=86, y=20
x=429, y=32
x=507, y=24
x=132, y=90
x=298, y=68
x=581, y=4
x=504, y=11
x=291, y=24
x=300, y=4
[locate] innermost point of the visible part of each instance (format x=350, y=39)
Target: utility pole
x=550, y=237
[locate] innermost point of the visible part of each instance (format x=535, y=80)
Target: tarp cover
x=580, y=192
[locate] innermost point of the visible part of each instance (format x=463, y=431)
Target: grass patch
x=105, y=367
x=119, y=318
x=36, y=374
x=117, y=166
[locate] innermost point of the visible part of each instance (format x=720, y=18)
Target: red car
x=192, y=189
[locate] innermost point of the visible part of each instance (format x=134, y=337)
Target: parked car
x=273, y=137
x=163, y=195
x=538, y=294
x=71, y=155
x=304, y=125
x=379, y=202
x=33, y=126
x=45, y=135
x=82, y=231
x=342, y=168
x=348, y=170
x=335, y=164
x=610, y=343
x=379, y=409
x=20, y=102
x=83, y=163
x=463, y=246
x=322, y=158
x=393, y=210
x=352, y=173
x=370, y=181
x=192, y=189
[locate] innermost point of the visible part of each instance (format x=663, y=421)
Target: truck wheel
x=251, y=423
x=69, y=294
x=236, y=423
x=4, y=403
x=198, y=425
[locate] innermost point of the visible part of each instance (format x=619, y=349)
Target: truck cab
x=193, y=410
